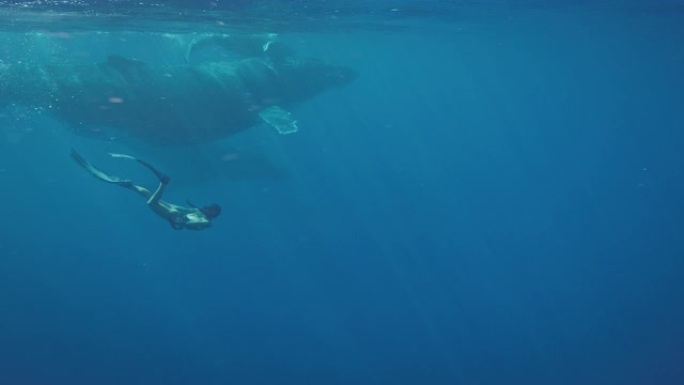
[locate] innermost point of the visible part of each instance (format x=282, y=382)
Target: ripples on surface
x=213, y=16
x=283, y=16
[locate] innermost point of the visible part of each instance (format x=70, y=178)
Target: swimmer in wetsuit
x=180, y=217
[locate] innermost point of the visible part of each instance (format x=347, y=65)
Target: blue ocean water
x=495, y=200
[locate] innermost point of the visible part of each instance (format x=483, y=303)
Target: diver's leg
x=141, y=190
x=153, y=199
x=97, y=173
x=101, y=175
x=163, y=178
x=160, y=175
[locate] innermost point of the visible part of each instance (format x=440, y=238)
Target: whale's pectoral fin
x=279, y=119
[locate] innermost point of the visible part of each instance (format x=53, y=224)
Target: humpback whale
x=251, y=45
x=173, y=104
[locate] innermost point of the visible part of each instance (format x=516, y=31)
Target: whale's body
x=168, y=105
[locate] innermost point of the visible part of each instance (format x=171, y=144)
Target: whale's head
x=304, y=78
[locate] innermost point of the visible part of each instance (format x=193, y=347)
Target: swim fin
x=97, y=173
x=160, y=175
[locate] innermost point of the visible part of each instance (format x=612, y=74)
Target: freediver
x=180, y=217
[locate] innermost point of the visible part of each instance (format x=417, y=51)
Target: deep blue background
x=497, y=200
